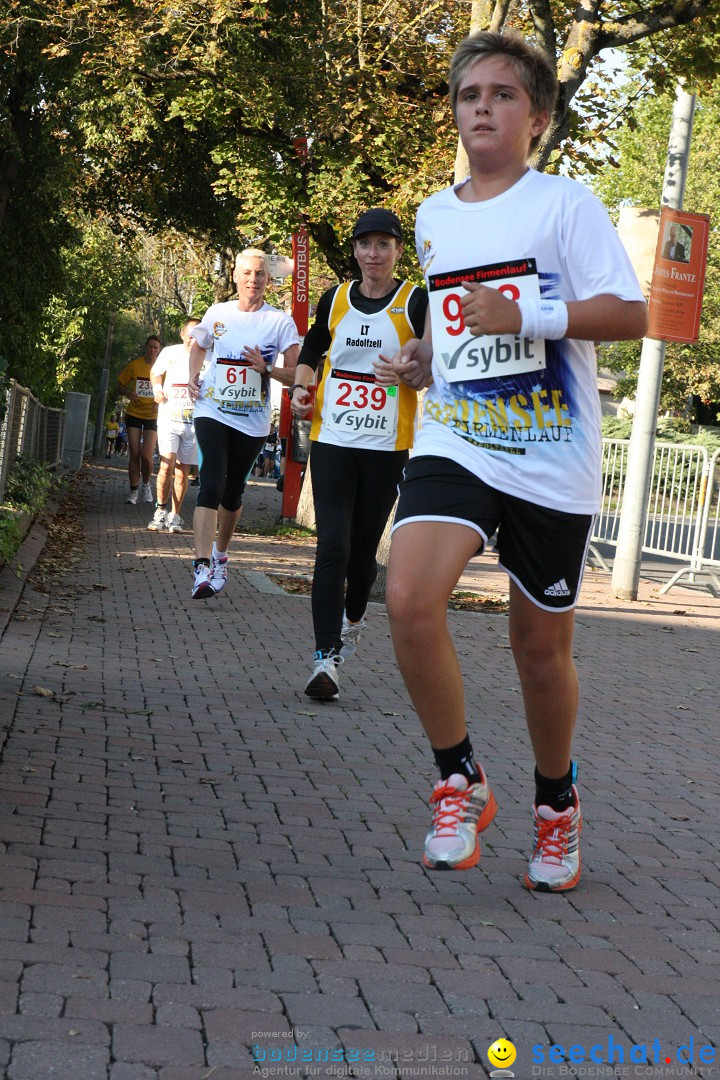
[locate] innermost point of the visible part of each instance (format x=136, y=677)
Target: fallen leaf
x=43, y=691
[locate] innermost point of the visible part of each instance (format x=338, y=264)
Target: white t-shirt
x=531, y=425
x=231, y=390
x=174, y=363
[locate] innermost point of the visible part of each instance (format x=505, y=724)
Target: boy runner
x=176, y=434
x=524, y=273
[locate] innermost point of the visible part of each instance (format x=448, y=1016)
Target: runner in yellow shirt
x=141, y=420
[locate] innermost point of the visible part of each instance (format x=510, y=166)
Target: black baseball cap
x=378, y=220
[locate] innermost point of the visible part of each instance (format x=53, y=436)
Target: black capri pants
x=354, y=491
x=226, y=460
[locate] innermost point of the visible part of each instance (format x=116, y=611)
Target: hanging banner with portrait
x=678, y=279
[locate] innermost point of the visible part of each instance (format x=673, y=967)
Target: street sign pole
x=631, y=530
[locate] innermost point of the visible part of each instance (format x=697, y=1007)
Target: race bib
x=143, y=388
x=238, y=386
x=179, y=403
x=355, y=403
x=462, y=357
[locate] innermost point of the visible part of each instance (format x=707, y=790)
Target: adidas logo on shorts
x=560, y=588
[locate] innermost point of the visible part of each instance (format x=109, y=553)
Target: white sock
x=218, y=554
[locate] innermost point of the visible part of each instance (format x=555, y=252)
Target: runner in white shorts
x=176, y=433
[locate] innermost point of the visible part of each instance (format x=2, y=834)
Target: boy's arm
x=157, y=371
x=413, y=364
x=197, y=358
x=601, y=318
x=607, y=318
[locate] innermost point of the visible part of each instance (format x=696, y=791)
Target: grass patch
x=461, y=599
x=283, y=531
x=10, y=536
x=27, y=487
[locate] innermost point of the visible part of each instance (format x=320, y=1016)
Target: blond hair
x=531, y=66
x=253, y=253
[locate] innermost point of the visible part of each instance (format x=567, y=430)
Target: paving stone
x=194, y=864
x=61, y=1060
x=155, y=1046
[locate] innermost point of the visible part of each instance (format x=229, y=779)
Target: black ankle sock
x=201, y=562
x=458, y=759
x=556, y=793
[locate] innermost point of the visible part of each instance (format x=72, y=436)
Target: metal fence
x=683, y=517
x=29, y=430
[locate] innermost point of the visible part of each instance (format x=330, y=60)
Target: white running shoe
x=323, y=683
x=174, y=523
x=460, y=811
x=134, y=496
x=349, y=635
x=159, y=521
x=218, y=573
x=147, y=493
x=202, y=587
x=555, y=862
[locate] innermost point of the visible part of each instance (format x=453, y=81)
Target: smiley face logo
x=502, y=1053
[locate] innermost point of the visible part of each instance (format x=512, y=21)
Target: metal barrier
x=29, y=430
x=705, y=557
x=683, y=519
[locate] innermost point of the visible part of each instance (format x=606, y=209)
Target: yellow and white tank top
x=351, y=409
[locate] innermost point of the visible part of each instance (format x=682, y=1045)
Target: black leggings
x=226, y=458
x=354, y=491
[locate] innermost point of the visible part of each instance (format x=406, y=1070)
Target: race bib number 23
x=143, y=388
x=458, y=353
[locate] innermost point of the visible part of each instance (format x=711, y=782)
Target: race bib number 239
x=358, y=405
x=458, y=353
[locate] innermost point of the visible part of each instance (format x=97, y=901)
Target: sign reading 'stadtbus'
x=459, y=354
x=678, y=279
x=301, y=279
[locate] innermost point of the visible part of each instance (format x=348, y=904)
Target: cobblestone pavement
x=196, y=859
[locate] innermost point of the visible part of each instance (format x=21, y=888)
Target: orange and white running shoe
x=460, y=811
x=555, y=862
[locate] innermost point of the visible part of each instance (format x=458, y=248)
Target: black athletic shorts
x=542, y=550
x=137, y=421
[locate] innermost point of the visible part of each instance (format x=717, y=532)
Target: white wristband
x=543, y=319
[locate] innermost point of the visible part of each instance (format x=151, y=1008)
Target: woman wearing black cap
x=361, y=434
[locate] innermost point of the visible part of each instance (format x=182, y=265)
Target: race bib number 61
x=458, y=353
x=238, y=386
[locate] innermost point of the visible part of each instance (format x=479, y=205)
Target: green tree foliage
x=184, y=115
x=38, y=171
x=689, y=369
x=233, y=85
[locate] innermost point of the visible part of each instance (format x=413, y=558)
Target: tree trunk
x=378, y=590
x=305, y=515
x=480, y=15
